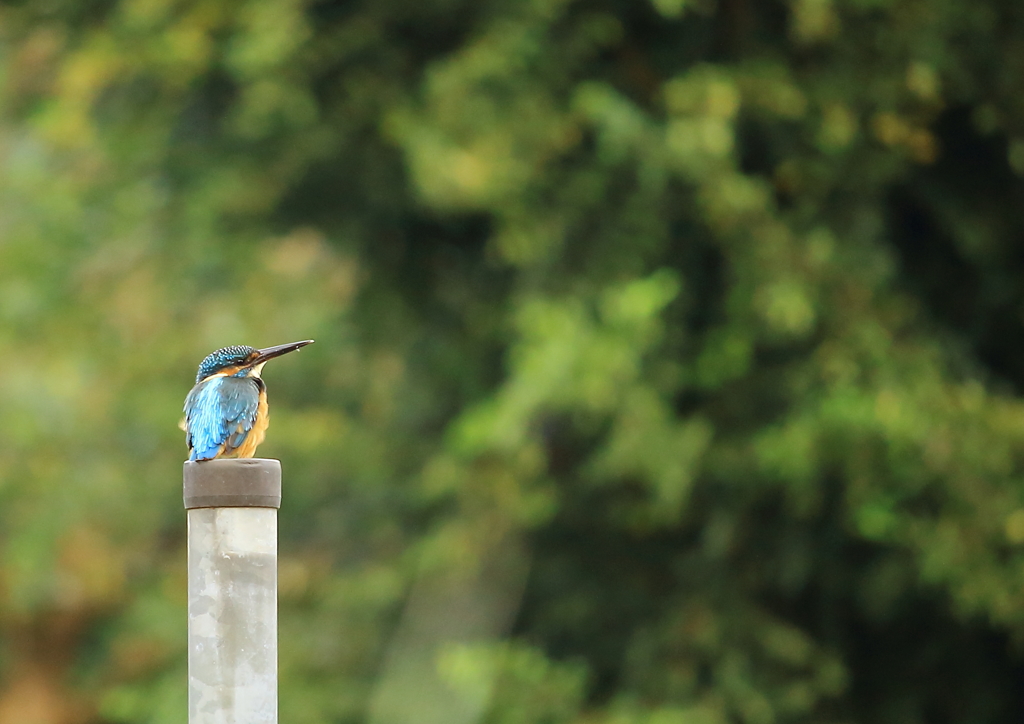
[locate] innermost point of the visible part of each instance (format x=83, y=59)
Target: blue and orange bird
x=226, y=414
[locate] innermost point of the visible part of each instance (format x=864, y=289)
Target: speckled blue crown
x=236, y=354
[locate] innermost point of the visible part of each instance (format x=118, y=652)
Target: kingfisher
x=226, y=413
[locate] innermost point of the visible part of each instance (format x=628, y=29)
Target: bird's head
x=242, y=360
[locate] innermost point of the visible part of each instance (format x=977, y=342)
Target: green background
x=667, y=368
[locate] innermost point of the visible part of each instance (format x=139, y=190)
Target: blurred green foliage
x=667, y=368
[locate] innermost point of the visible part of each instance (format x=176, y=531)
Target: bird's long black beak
x=262, y=355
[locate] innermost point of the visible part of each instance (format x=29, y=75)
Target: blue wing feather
x=219, y=413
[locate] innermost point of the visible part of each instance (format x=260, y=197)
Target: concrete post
x=232, y=590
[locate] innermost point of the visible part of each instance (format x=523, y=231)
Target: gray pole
x=232, y=590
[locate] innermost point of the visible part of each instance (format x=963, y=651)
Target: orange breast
x=258, y=432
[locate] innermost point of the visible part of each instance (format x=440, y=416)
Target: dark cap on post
x=233, y=483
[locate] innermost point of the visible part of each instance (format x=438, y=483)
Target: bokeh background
x=668, y=367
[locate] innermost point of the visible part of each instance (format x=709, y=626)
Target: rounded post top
x=233, y=483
